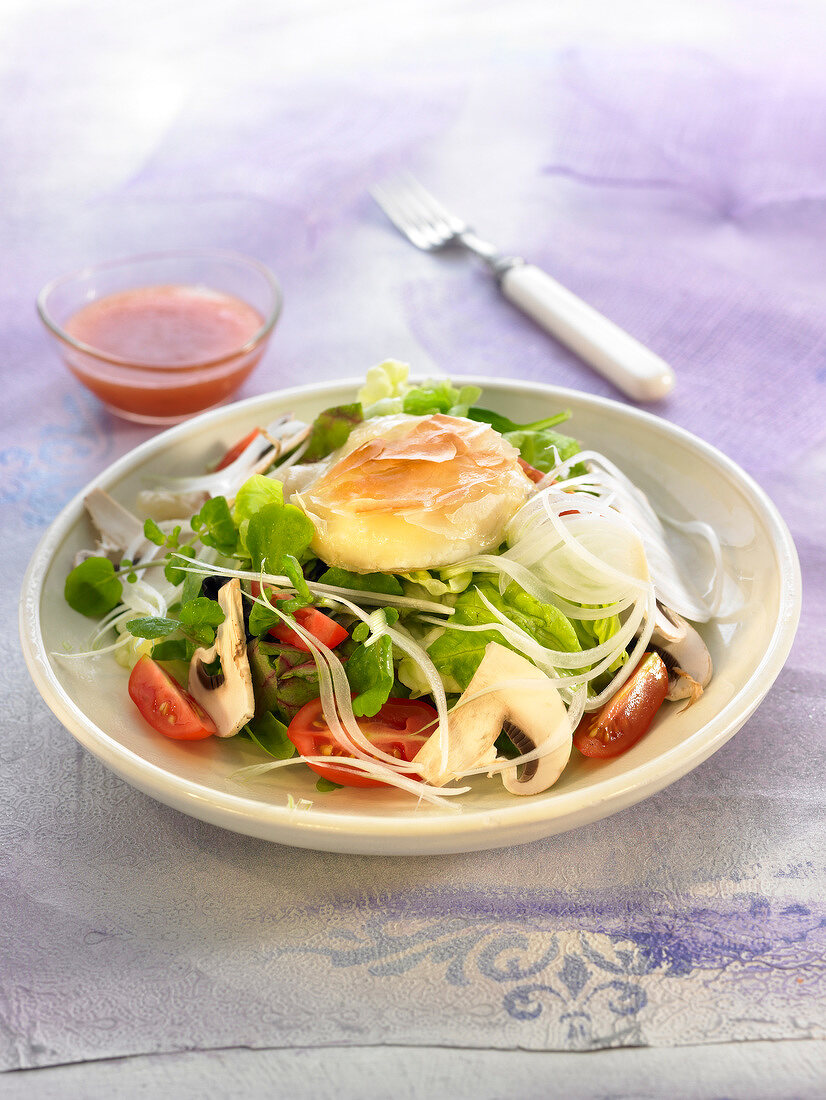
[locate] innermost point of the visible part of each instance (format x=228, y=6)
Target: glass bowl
x=144, y=386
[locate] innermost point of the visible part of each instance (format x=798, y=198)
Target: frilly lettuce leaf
x=256, y=491
x=384, y=388
x=593, y=632
x=540, y=448
x=439, y=396
x=423, y=582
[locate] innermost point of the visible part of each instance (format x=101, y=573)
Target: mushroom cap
x=534, y=716
x=685, y=654
x=229, y=699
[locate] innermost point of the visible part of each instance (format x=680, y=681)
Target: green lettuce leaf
x=284, y=678
x=439, y=396
x=256, y=492
x=439, y=584
x=457, y=654
x=593, y=632
x=331, y=429
x=537, y=448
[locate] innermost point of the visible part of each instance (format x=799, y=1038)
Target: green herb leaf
x=173, y=649
x=324, y=785
x=93, y=588
x=501, y=423
x=331, y=429
x=370, y=674
x=276, y=530
x=192, y=587
x=199, y=618
x=215, y=526
x=153, y=532
x=261, y=619
x=201, y=612
x=152, y=626
x=270, y=734
x=292, y=570
x=173, y=571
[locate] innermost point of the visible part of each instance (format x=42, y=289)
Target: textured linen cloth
x=667, y=165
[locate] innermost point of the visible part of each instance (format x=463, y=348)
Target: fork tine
x=391, y=202
x=430, y=221
x=431, y=204
x=404, y=213
x=415, y=212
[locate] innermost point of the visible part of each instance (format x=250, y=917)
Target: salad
x=408, y=592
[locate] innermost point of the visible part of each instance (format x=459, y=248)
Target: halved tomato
x=531, y=471
x=236, y=450
x=400, y=729
x=165, y=705
x=624, y=719
x=321, y=626
x=315, y=622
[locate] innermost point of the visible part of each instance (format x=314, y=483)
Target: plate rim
x=326, y=829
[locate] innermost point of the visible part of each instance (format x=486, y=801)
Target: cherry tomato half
x=236, y=450
x=625, y=718
x=394, y=730
x=321, y=626
x=531, y=471
x=165, y=705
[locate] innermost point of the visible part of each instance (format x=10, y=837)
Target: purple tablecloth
x=668, y=166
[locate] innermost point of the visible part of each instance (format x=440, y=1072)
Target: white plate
x=683, y=476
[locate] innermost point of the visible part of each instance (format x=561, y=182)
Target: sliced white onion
x=437, y=795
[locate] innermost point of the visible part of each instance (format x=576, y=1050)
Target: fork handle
x=623, y=360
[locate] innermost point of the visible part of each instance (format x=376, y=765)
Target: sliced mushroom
x=120, y=533
x=163, y=504
x=532, y=717
x=684, y=652
x=227, y=696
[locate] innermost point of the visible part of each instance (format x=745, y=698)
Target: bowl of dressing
x=162, y=336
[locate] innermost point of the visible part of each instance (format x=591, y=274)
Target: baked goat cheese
x=413, y=492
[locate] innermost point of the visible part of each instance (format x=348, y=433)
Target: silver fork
x=606, y=347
